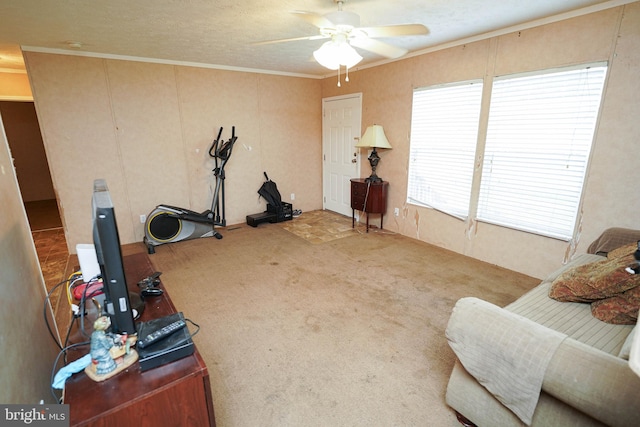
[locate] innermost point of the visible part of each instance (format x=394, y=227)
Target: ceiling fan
x=344, y=31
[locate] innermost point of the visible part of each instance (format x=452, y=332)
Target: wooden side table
x=368, y=197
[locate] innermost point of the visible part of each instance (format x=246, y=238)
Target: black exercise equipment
x=169, y=224
x=277, y=210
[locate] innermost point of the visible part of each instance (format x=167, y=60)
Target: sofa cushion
x=613, y=238
x=571, y=318
x=598, y=280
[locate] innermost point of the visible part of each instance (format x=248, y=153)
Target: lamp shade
x=374, y=137
x=335, y=53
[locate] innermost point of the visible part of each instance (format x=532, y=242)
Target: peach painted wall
x=147, y=128
x=28, y=351
x=611, y=197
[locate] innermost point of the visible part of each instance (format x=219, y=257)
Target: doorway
x=31, y=165
x=36, y=187
x=341, y=129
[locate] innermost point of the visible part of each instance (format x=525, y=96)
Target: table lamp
x=373, y=137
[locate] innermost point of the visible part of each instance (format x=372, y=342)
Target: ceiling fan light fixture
x=333, y=54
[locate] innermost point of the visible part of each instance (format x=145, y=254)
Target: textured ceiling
x=222, y=32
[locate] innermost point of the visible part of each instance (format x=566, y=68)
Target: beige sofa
x=578, y=360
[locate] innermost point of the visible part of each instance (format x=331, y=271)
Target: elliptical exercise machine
x=169, y=224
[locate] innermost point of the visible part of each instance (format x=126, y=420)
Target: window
x=444, y=134
x=539, y=130
x=537, y=149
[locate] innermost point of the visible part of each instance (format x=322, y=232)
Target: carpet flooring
x=349, y=331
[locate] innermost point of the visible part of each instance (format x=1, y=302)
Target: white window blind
x=444, y=133
x=539, y=138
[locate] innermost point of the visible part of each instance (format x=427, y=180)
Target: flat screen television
x=107, y=243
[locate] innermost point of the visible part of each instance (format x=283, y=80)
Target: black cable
x=194, y=324
x=55, y=364
x=63, y=350
x=83, y=302
x=66, y=340
x=75, y=316
x=45, y=305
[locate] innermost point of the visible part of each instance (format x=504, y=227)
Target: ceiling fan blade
x=314, y=19
x=395, y=30
x=293, y=39
x=376, y=46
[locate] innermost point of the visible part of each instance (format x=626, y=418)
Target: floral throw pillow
x=597, y=280
x=620, y=309
x=613, y=292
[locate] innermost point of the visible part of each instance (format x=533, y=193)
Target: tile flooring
x=53, y=255
x=320, y=226
x=50, y=243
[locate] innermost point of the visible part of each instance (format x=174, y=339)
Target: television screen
x=107, y=243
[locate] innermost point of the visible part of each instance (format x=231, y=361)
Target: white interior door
x=341, y=121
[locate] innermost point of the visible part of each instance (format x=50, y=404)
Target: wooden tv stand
x=174, y=394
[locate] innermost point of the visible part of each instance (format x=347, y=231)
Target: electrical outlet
x=293, y=196
x=396, y=211
x=143, y=218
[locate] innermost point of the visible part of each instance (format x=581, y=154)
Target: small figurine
x=110, y=353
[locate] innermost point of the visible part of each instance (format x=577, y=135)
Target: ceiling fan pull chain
x=346, y=78
x=339, y=76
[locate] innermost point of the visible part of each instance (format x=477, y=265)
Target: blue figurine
x=101, y=344
x=110, y=353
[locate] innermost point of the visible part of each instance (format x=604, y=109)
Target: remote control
x=161, y=333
